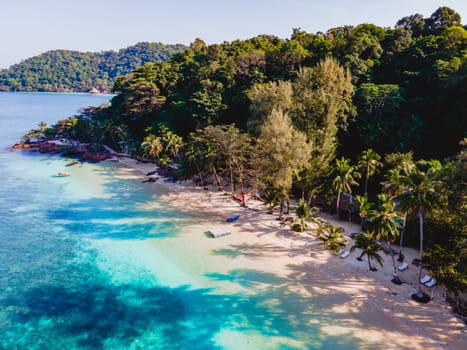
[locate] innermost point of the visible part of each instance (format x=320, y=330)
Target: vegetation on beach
x=309, y=116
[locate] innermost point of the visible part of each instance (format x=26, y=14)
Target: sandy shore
x=366, y=304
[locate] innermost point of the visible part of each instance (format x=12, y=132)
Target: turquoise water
x=95, y=261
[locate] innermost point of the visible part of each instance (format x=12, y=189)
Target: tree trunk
x=393, y=260
x=337, y=203
x=231, y=179
x=400, y=258
x=281, y=212
x=369, y=263
x=366, y=182
x=217, y=178
x=419, y=289
x=200, y=176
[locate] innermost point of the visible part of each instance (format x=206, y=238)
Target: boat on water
x=62, y=174
x=233, y=218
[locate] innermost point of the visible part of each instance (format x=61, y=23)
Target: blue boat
x=233, y=218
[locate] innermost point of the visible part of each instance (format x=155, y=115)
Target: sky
x=31, y=27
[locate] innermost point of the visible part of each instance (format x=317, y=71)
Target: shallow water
x=95, y=261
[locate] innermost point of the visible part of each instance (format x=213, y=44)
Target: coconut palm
x=152, y=146
x=303, y=212
x=173, y=143
x=345, y=175
x=419, y=197
x=369, y=162
x=363, y=206
x=331, y=237
x=385, y=224
x=366, y=243
x=394, y=187
x=43, y=127
x=193, y=157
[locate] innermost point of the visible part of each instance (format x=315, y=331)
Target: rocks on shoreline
x=85, y=152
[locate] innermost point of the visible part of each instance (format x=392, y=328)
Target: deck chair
x=403, y=267
x=431, y=283
x=345, y=254
x=340, y=251
x=425, y=279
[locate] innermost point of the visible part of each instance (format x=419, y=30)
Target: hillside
x=66, y=71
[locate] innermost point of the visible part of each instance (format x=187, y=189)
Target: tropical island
x=364, y=123
x=74, y=71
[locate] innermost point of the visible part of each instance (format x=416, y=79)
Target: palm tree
x=173, y=143
x=345, y=175
x=368, y=246
x=385, y=223
x=193, y=156
x=152, y=146
x=42, y=127
x=364, y=205
x=331, y=237
x=418, y=197
x=369, y=162
x=303, y=212
x=394, y=187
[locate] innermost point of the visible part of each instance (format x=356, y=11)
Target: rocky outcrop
x=89, y=153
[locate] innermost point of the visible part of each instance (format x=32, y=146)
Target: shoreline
x=371, y=298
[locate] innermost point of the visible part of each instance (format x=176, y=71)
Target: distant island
x=74, y=71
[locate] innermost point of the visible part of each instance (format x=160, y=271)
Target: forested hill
x=64, y=70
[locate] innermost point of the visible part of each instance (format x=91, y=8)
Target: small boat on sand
x=62, y=174
x=233, y=218
x=72, y=163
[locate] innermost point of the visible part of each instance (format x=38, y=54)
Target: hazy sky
x=30, y=27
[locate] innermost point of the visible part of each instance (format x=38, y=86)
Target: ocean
x=96, y=261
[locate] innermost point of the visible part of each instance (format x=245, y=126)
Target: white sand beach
x=350, y=299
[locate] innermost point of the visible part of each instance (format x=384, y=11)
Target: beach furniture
x=219, y=231
x=403, y=267
x=425, y=279
x=233, y=218
x=62, y=174
x=431, y=283
x=345, y=254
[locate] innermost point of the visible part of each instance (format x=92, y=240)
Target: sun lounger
x=345, y=254
x=403, y=267
x=219, y=232
x=431, y=283
x=425, y=279
x=340, y=251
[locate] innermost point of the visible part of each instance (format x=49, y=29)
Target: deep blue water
x=78, y=270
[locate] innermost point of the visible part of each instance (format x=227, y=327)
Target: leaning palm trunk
x=366, y=181
x=217, y=178
x=338, y=200
x=419, y=289
x=200, y=175
x=369, y=263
